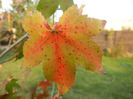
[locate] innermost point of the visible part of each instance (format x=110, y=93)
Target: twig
x=10, y=47
x=52, y=90
x=10, y=41
x=26, y=75
x=9, y=59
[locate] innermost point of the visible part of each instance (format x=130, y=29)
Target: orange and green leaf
x=63, y=47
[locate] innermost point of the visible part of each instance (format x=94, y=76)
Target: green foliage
x=14, y=91
x=12, y=88
x=48, y=7
x=64, y=4
x=11, y=85
x=20, y=50
x=7, y=56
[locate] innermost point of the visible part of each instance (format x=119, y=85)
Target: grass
x=117, y=83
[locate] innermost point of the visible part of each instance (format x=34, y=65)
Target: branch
x=10, y=47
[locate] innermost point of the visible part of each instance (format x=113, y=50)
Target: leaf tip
x=81, y=9
x=103, y=22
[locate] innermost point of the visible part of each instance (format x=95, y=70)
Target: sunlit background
x=118, y=13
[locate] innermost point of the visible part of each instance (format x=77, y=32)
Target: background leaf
x=47, y=7
x=20, y=50
x=64, y=4
x=12, y=84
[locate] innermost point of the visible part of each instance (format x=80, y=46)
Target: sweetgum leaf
x=65, y=4
x=47, y=7
x=59, y=49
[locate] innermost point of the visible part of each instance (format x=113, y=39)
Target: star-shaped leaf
x=63, y=47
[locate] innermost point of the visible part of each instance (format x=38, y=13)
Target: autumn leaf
x=43, y=95
x=57, y=96
x=44, y=84
x=63, y=47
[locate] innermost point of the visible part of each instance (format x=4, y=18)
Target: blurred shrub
x=116, y=51
x=110, y=33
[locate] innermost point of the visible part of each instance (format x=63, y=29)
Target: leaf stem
x=53, y=19
x=52, y=90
